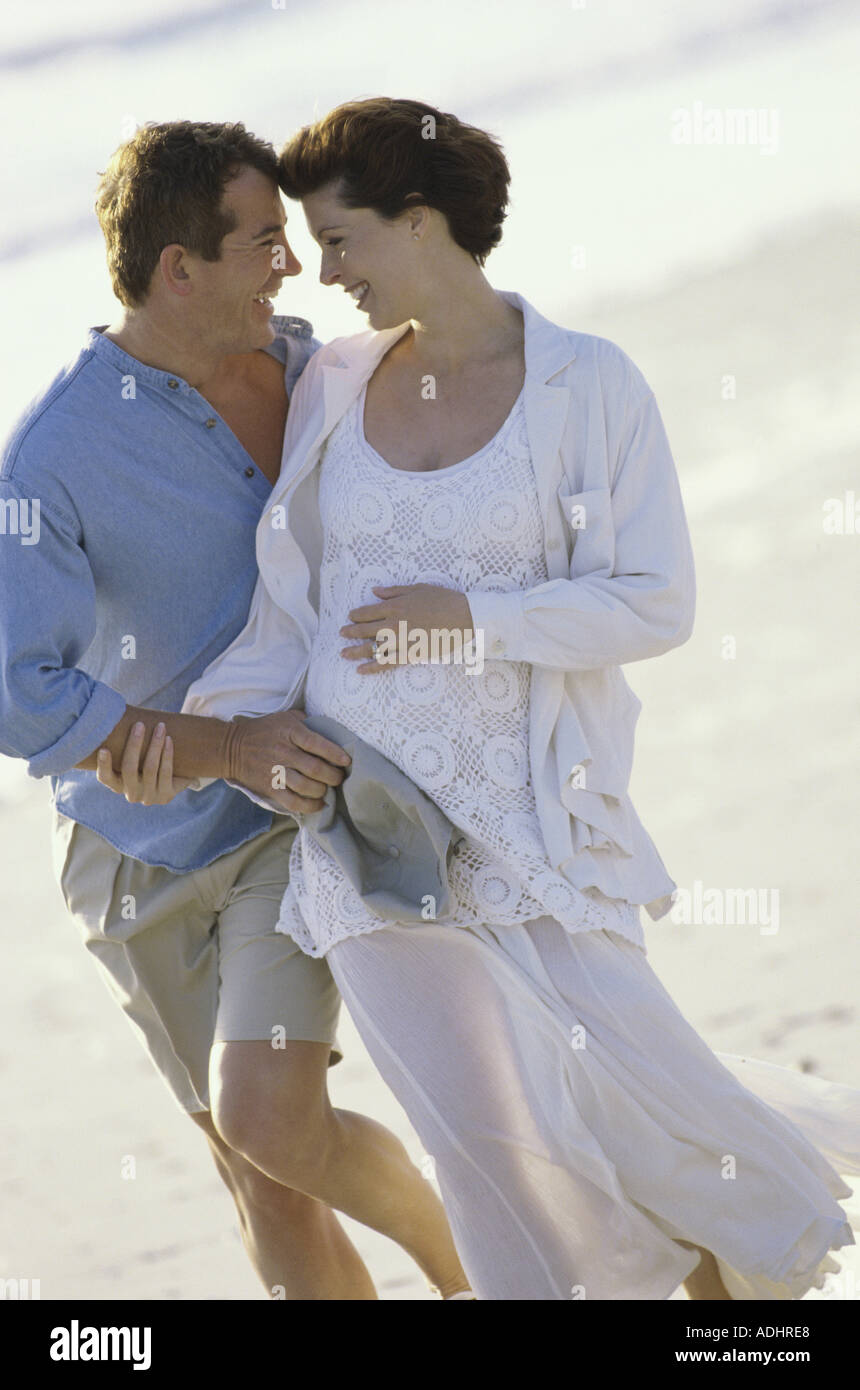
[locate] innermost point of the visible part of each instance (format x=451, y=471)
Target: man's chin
x=265, y=331
x=259, y=335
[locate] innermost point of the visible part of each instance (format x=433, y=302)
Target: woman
x=467, y=467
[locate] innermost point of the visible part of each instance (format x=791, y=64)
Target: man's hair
x=385, y=149
x=165, y=185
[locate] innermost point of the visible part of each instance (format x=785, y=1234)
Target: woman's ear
x=417, y=215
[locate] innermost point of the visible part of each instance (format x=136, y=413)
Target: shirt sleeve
x=640, y=607
x=51, y=712
x=246, y=678
x=260, y=800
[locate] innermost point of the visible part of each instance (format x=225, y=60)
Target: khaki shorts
x=194, y=958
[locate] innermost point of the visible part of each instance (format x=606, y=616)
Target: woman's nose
x=329, y=271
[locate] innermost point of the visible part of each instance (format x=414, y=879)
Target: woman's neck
x=464, y=323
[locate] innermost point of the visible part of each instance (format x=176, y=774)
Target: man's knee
x=271, y=1105
x=257, y=1196
x=222, y=1155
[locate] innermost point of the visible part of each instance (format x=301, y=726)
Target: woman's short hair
x=165, y=185
x=388, y=154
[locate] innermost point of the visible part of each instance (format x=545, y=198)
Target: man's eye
x=335, y=241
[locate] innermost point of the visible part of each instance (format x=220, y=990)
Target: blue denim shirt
x=128, y=516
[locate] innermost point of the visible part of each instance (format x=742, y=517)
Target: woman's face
x=372, y=260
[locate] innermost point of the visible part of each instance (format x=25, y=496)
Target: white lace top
x=460, y=736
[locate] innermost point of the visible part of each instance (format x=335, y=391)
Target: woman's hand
x=153, y=784
x=424, y=608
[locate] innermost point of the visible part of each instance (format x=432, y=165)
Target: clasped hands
x=259, y=751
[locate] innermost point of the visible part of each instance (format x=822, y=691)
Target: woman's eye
x=335, y=241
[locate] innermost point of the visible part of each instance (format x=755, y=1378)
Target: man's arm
x=200, y=745
x=52, y=712
x=247, y=752
x=57, y=716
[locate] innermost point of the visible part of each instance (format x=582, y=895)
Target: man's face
x=231, y=297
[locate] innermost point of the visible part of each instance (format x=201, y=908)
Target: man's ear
x=171, y=263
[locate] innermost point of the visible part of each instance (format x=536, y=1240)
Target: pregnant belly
x=334, y=687
x=401, y=713
x=459, y=737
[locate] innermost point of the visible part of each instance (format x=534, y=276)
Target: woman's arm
x=638, y=603
x=631, y=594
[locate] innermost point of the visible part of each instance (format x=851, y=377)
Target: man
x=147, y=463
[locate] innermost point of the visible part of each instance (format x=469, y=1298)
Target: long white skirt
x=580, y=1127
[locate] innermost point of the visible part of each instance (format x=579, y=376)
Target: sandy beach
x=745, y=776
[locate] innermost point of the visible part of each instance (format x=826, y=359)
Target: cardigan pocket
x=590, y=528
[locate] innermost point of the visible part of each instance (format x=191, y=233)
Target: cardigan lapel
x=548, y=350
x=357, y=360
x=289, y=534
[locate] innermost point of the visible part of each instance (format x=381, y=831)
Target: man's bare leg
x=272, y=1106
x=704, y=1282
x=296, y=1245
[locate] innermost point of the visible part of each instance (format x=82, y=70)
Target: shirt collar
x=285, y=326
x=549, y=348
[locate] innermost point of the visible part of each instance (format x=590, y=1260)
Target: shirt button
x=249, y=472
x=498, y=645
x=394, y=851
x=173, y=383
x=211, y=422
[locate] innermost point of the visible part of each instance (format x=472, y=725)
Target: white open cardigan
x=621, y=586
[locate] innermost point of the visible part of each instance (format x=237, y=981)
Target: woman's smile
x=358, y=292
